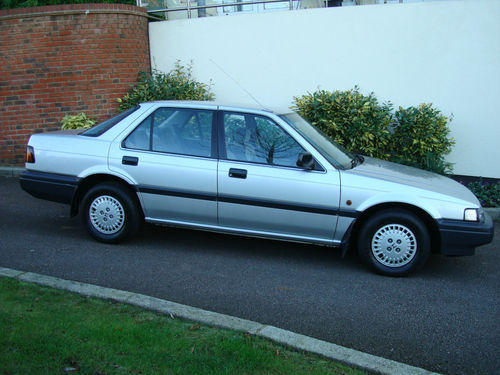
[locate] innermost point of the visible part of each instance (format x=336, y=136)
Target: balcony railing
x=176, y=9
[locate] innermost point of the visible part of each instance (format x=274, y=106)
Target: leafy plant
x=79, y=121
x=11, y=4
x=416, y=136
x=487, y=193
x=178, y=84
x=421, y=138
x=356, y=121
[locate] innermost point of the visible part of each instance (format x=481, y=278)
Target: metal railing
x=189, y=7
x=292, y=4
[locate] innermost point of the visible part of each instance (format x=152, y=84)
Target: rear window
x=108, y=124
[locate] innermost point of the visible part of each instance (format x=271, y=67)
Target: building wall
x=446, y=53
x=59, y=60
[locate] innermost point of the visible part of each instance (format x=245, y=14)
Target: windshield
x=332, y=151
x=108, y=124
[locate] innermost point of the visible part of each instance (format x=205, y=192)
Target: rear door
x=171, y=156
x=262, y=191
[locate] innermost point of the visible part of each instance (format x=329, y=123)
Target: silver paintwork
x=370, y=184
x=281, y=185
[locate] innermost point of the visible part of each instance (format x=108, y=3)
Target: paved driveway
x=445, y=318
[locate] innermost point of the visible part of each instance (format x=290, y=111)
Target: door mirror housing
x=306, y=161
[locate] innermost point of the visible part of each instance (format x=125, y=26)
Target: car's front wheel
x=110, y=212
x=394, y=242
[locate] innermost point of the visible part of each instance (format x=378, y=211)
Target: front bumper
x=49, y=186
x=462, y=237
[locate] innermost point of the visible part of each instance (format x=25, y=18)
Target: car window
x=258, y=139
x=332, y=151
x=140, y=138
x=108, y=124
x=173, y=130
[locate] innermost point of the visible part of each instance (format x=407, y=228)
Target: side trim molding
x=247, y=201
x=176, y=193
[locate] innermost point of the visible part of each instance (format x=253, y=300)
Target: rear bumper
x=462, y=237
x=49, y=186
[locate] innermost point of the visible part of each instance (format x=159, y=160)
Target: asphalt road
x=446, y=318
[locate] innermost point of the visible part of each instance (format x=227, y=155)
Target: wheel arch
x=92, y=180
x=426, y=218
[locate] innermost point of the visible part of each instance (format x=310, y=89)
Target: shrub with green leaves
x=421, y=138
x=178, y=84
x=487, y=193
x=79, y=121
x=358, y=122
x=11, y=4
x=416, y=136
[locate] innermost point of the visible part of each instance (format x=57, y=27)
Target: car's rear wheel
x=111, y=212
x=394, y=242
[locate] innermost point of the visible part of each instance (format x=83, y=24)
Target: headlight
x=474, y=214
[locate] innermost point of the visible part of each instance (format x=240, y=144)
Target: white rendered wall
x=446, y=53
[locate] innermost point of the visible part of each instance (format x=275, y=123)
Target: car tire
x=111, y=212
x=394, y=242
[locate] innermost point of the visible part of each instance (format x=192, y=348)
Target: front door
x=261, y=190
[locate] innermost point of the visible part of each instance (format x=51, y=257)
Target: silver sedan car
x=254, y=172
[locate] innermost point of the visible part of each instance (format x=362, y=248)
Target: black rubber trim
x=176, y=193
x=288, y=206
x=49, y=186
x=249, y=202
x=462, y=237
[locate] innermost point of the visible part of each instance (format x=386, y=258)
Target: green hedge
x=487, y=193
x=358, y=122
x=416, y=136
x=178, y=84
x=11, y=4
x=421, y=137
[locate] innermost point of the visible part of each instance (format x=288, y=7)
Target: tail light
x=30, y=154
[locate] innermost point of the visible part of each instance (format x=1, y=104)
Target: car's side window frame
x=222, y=147
x=151, y=117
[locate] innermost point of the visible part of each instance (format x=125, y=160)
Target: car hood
x=414, y=177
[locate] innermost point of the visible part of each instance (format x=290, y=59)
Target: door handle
x=130, y=160
x=237, y=173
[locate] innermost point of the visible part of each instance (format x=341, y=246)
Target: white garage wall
x=446, y=53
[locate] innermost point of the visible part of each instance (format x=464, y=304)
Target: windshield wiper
x=356, y=160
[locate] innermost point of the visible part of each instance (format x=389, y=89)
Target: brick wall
x=58, y=60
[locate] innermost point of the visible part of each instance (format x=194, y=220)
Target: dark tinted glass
x=108, y=124
x=259, y=139
x=174, y=130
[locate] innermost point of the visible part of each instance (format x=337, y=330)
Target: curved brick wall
x=66, y=59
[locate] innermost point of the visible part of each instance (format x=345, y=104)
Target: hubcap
x=394, y=245
x=106, y=214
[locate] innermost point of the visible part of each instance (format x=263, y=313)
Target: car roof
x=222, y=105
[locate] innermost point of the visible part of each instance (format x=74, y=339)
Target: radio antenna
x=239, y=85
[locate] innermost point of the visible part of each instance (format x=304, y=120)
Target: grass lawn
x=48, y=331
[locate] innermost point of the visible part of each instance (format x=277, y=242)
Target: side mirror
x=305, y=160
